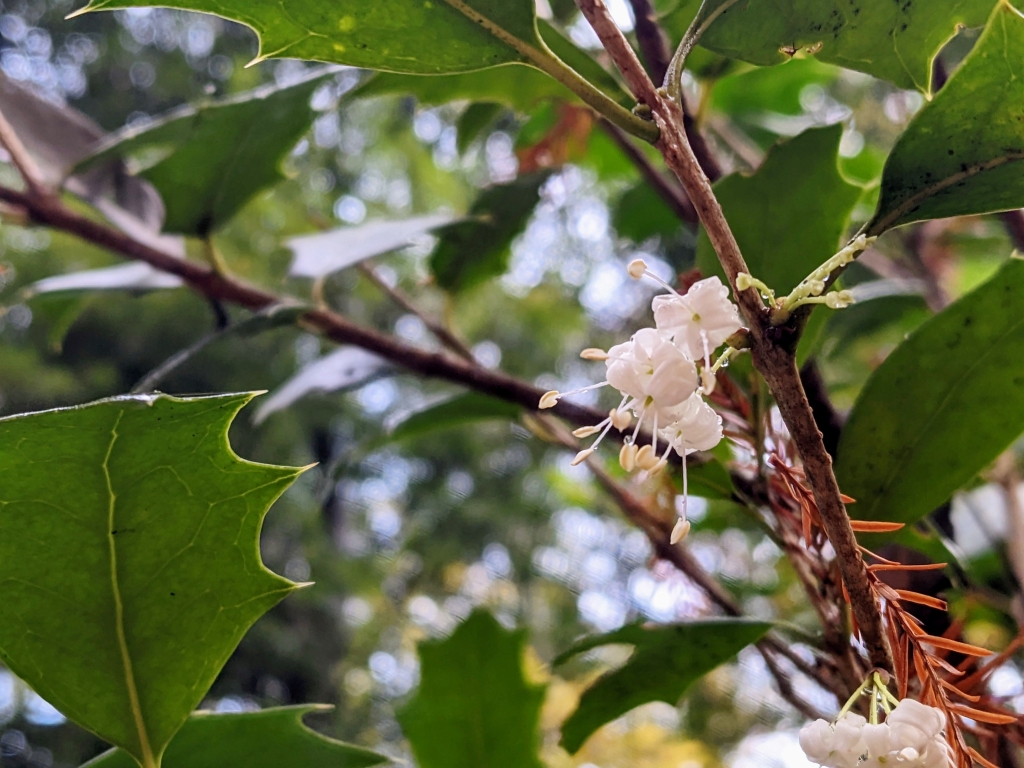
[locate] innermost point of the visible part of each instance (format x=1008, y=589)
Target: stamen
x=645, y=458
x=679, y=531
x=638, y=268
x=593, y=353
x=627, y=457
x=548, y=399
x=588, y=431
x=601, y=437
x=582, y=456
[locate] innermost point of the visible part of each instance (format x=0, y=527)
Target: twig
x=772, y=348
x=441, y=333
x=1014, y=223
x=35, y=182
x=666, y=188
x=652, y=40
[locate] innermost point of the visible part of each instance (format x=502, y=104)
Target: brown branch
x=772, y=348
x=652, y=40
x=1014, y=223
x=666, y=188
x=35, y=182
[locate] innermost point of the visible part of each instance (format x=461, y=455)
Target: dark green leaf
x=666, y=661
x=130, y=559
x=640, y=213
x=456, y=412
x=477, y=118
x=962, y=152
x=710, y=481
x=770, y=89
x=940, y=408
x=214, y=157
x=472, y=251
x=894, y=41
x=474, y=708
x=271, y=738
x=790, y=215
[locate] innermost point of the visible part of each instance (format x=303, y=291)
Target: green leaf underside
x=474, y=708
x=215, y=157
x=472, y=251
x=962, y=152
x=790, y=215
x=943, y=405
x=271, y=738
x=129, y=559
x=666, y=661
x=894, y=41
x=468, y=408
x=426, y=37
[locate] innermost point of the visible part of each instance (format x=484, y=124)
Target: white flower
x=652, y=371
x=695, y=427
x=700, y=321
x=914, y=725
x=816, y=741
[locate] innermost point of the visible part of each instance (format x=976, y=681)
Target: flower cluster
x=662, y=374
x=910, y=737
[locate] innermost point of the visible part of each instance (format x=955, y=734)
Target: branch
x=35, y=182
x=772, y=348
x=653, y=44
x=667, y=189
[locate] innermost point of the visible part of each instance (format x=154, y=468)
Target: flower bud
x=743, y=281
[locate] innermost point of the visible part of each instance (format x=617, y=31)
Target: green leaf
x=413, y=36
x=211, y=159
x=941, y=407
x=271, y=738
x=710, y=481
x=770, y=89
x=666, y=661
x=962, y=153
x=458, y=411
x=474, y=708
x=129, y=558
x=473, y=251
x=476, y=119
x=894, y=41
x=790, y=215
x=640, y=213
x=518, y=86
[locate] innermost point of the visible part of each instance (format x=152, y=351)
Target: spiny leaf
x=790, y=215
x=894, y=41
x=214, y=157
x=271, y=738
x=667, y=660
x=412, y=36
x=129, y=559
x=941, y=407
x=962, y=153
x=474, y=708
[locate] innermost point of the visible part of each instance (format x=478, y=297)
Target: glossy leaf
x=344, y=368
x=667, y=659
x=472, y=251
x=425, y=38
x=130, y=559
x=474, y=708
x=271, y=738
x=941, y=407
x=640, y=213
x=474, y=121
x=962, y=152
x=322, y=253
x=892, y=41
x=790, y=216
x=212, y=158
x=458, y=411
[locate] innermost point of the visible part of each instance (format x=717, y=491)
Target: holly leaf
x=790, y=215
x=940, y=408
x=130, y=559
x=962, y=153
x=474, y=708
x=892, y=41
x=412, y=36
x=472, y=251
x=666, y=661
x=209, y=160
x=271, y=738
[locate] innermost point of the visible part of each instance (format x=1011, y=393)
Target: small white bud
x=620, y=419
x=679, y=531
x=743, y=281
x=646, y=458
x=586, y=431
x=839, y=299
x=549, y=399
x=582, y=456
x=627, y=457
x=816, y=287
x=593, y=353
x=637, y=268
